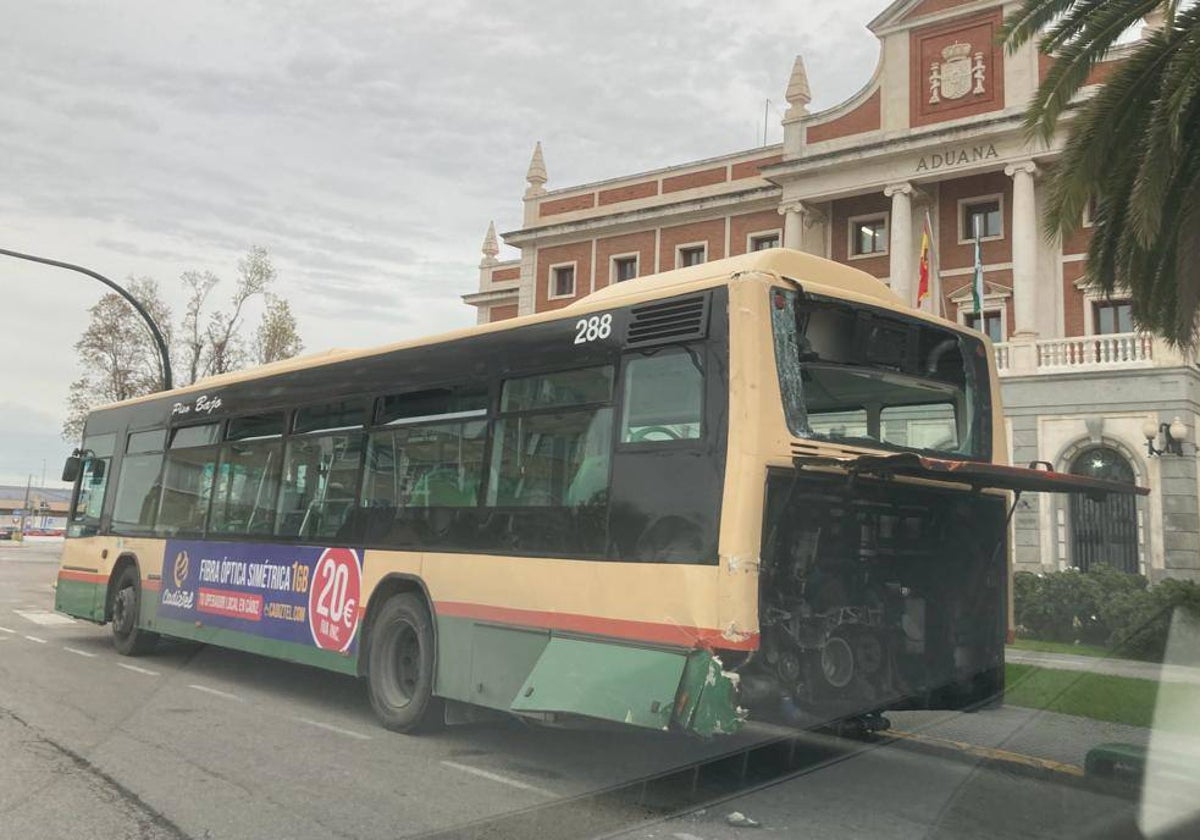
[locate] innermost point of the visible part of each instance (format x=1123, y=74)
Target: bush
x=1143, y=635
x=1101, y=607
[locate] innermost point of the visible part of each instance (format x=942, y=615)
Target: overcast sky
x=365, y=145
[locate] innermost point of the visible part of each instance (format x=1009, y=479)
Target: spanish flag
x=926, y=244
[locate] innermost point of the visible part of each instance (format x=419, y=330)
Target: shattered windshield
x=858, y=374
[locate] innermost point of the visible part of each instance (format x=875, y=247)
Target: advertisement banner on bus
x=304, y=594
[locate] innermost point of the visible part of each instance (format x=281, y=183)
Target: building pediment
x=905, y=14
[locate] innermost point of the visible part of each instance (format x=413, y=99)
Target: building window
x=624, y=268
x=691, y=255
x=562, y=281
x=868, y=236
x=987, y=322
x=984, y=213
x=1112, y=316
x=763, y=241
x=1089, y=212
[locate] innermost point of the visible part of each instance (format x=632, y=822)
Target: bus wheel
x=128, y=638
x=400, y=657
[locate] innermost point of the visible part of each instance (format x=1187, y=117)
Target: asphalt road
x=200, y=742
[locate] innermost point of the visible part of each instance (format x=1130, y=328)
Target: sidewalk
x=1130, y=668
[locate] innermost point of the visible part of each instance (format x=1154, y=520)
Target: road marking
x=990, y=752
x=6, y=630
x=138, y=670
x=36, y=639
x=331, y=728
x=79, y=652
x=216, y=692
x=44, y=617
x=496, y=777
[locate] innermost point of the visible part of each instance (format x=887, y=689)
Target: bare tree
x=193, y=339
x=117, y=353
x=276, y=337
x=119, y=357
x=225, y=347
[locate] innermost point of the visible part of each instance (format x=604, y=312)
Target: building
x=43, y=509
x=936, y=133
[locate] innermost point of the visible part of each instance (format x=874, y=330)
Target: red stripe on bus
x=152, y=585
x=642, y=631
x=81, y=577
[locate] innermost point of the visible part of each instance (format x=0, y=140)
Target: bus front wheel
x=400, y=660
x=128, y=638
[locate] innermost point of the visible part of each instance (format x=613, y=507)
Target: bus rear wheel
x=128, y=638
x=400, y=661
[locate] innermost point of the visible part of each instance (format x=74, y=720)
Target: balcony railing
x=1083, y=353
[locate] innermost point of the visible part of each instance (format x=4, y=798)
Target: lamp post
x=167, y=380
x=1173, y=435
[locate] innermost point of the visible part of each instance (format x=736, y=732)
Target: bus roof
x=814, y=273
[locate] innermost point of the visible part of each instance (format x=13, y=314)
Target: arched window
x=1104, y=531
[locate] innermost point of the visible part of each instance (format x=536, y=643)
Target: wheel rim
x=837, y=662
x=124, y=611
x=402, y=665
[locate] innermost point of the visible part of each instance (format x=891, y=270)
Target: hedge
x=1102, y=606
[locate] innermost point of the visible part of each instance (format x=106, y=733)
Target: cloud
x=365, y=145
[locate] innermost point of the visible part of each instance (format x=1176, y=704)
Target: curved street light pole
x=167, y=379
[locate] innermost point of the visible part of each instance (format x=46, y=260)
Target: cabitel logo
x=178, y=598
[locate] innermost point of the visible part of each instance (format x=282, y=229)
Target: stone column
x=792, y=224
x=900, y=242
x=1024, y=248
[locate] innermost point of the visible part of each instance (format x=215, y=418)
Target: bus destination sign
x=304, y=594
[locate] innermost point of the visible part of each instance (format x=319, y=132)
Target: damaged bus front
x=884, y=577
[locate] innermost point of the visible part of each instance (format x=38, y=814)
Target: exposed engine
x=876, y=595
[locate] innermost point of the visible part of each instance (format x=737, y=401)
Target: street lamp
x=1173, y=435
x=167, y=381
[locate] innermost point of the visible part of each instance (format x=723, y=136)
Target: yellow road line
x=991, y=753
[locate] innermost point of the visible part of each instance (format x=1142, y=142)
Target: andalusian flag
x=926, y=244
x=977, y=285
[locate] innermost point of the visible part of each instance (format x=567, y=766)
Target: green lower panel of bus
x=535, y=671
x=80, y=599
x=290, y=651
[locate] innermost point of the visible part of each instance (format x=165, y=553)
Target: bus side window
x=548, y=450
x=320, y=479
x=663, y=396
x=434, y=465
x=138, y=487
x=248, y=475
x=187, y=479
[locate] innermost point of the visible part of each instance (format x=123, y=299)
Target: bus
x=758, y=487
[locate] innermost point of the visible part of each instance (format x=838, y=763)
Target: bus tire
x=400, y=666
x=128, y=638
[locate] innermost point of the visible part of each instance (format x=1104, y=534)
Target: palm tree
x=1131, y=151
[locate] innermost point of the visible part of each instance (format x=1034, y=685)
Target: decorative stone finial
x=536, y=176
x=490, y=246
x=798, y=94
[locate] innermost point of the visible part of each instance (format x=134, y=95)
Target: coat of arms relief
x=956, y=75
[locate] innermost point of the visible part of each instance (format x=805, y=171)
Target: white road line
x=79, y=652
x=331, y=728
x=6, y=630
x=36, y=639
x=217, y=692
x=44, y=617
x=138, y=670
x=496, y=777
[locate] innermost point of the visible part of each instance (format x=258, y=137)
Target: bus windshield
x=863, y=375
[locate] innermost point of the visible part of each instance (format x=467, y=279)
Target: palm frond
x=1075, y=60
x=1027, y=21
